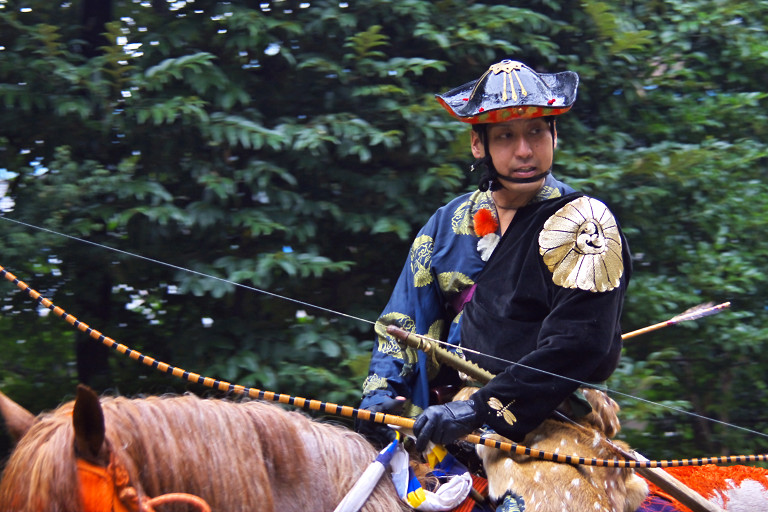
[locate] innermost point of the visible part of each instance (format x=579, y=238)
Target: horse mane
x=236, y=455
x=42, y=468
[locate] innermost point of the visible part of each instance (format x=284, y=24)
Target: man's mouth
x=524, y=172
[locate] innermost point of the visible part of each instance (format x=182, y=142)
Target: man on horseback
x=524, y=276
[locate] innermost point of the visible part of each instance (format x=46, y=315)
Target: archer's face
x=519, y=149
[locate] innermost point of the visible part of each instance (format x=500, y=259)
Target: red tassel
x=485, y=223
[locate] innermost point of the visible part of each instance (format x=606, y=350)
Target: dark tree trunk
x=93, y=16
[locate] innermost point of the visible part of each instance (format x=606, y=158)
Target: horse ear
x=17, y=419
x=88, y=422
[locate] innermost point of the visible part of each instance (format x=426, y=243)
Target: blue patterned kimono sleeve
x=416, y=305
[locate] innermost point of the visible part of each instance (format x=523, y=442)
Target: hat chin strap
x=493, y=175
x=490, y=178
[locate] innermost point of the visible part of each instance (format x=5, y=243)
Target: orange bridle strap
x=98, y=489
x=108, y=489
x=175, y=497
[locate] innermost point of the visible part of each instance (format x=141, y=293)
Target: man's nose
x=523, y=148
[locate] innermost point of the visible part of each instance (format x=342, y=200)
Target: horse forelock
x=235, y=455
x=40, y=475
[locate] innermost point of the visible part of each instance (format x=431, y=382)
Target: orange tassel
x=485, y=222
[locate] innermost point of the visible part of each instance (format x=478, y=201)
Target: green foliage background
x=296, y=147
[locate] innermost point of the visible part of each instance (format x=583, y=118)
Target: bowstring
x=588, y=384
x=352, y=317
x=189, y=270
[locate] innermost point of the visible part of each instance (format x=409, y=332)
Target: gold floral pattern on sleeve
x=388, y=344
x=420, y=260
x=481, y=200
x=374, y=383
x=452, y=283
x=548, y=192
x=461, y=219
x=581, y=246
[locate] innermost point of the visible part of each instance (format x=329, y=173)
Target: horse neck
x=236, y=454
x=249, y=456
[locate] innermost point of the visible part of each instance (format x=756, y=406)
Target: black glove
x=379, y=434
x=443, y=424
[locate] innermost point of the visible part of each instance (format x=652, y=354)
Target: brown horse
x=256, y=456
x=237, y=456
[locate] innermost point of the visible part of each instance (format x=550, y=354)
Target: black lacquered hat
x=511, y=90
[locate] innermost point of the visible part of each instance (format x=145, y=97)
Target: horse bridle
x=109, y=489
x=105, y=489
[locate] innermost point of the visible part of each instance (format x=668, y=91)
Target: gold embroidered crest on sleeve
x=420, y=260
x=452, y=283
x=461, y=219
x=388, y=344
x=374, y=383
x=581, y=246
x=548, y=192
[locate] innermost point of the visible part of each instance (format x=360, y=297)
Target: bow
x=352, y=412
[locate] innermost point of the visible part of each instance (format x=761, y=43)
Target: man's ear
x=476, y=143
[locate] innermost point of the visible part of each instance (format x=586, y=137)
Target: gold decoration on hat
x=581, y=246
x=509, y=67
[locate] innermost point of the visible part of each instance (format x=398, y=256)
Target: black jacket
x=559, y=336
